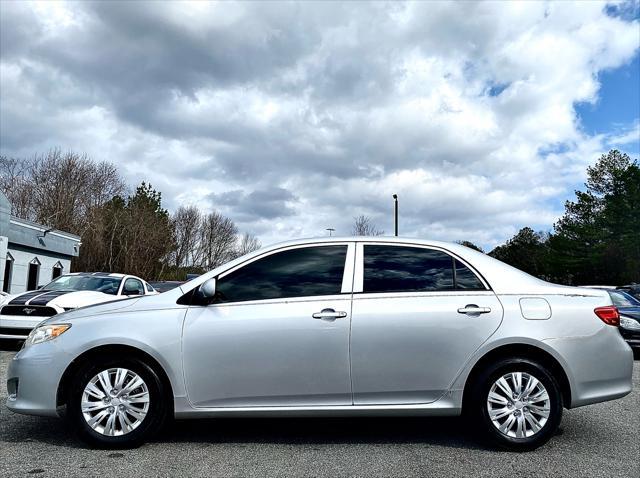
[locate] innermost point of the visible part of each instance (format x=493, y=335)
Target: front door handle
x=329, y=314
x=474, y=310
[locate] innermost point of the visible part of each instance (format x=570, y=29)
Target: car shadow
x=451, y=432
x=10, y=345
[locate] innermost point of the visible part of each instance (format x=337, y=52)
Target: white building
x=31, y=254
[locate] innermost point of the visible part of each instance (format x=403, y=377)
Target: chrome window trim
x=284, y=300
x=416, y=294
x=358, y=287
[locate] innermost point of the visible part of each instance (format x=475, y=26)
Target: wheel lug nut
x=111, y=409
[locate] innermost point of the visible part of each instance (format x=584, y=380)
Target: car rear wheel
x=516, y=404
x=116, y=403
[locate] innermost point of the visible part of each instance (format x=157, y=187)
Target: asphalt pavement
x=596, y=441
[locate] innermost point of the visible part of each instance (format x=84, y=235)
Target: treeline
x=121, y=230
x=597, y=240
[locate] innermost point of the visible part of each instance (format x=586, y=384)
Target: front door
x=277, y=333
x=418, y=315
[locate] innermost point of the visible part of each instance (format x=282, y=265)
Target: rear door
x=418, y=314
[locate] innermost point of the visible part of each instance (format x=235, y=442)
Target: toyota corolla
x=357, y=326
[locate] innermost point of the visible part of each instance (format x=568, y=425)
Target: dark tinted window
x=406, y=269
x=301, y=272
x=466, y=279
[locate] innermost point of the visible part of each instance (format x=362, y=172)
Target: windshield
x=106, y=285
x=622, y=299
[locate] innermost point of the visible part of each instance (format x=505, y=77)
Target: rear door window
x=406, y=269
x=414, y=269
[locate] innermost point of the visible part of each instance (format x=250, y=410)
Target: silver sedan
x=357, y=326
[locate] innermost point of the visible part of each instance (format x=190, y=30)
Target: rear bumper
x=599, y=366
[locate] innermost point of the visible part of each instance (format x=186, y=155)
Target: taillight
x=609, y=315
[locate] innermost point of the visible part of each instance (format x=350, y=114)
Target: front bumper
x=18, y=327
x=33, y=378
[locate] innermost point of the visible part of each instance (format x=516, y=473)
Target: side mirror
x=208, y=288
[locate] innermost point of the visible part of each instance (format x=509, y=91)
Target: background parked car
x=629, y=308
x=632, y=289
x=21, y=313
x=165, y=285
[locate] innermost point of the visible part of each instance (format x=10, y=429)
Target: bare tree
x=16, y=186
x=218, y=236
x=186, y=223
x=363, y=226
x=470, y=245
x=59, y=190
x=129, y=233
x=246, y=244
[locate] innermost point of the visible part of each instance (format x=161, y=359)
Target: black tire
x=477, y=410
x=152, y=422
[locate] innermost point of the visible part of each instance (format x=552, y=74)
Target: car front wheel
x=116, y=403
x=517, y=404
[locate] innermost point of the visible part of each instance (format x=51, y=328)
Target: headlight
x=627, y=323
x=45, y=333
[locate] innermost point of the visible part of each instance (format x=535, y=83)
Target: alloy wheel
x=518, y=405
x=115, y=402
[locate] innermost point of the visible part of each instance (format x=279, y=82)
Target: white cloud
x=628, y=137
x=466, y=110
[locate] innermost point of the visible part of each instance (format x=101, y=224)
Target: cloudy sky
x=294, y=117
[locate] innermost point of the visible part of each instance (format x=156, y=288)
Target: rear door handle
x=473, y=309
x=329, y=314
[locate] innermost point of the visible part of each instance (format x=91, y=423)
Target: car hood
x=64, y=299
x=94, y=310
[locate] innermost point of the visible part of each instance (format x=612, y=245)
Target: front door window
x=303, y=272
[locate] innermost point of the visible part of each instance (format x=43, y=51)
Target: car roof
x=115, y=275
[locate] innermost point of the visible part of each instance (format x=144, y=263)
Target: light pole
x=395, y=215
x=395, y=198
x=330, y=229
